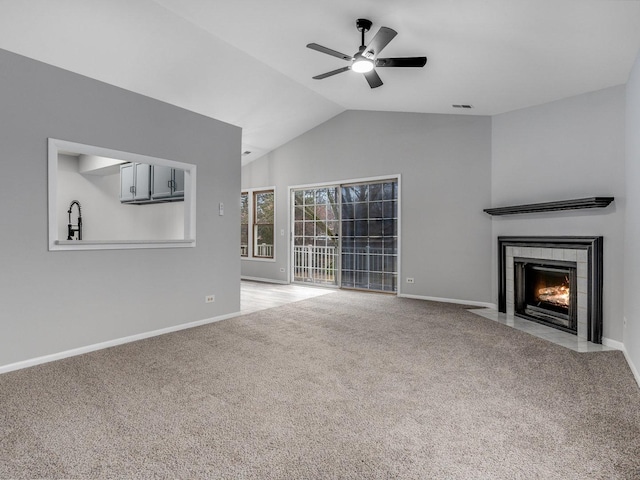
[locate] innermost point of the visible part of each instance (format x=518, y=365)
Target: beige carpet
x=348, y=385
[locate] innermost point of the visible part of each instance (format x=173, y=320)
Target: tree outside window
x=263, y=234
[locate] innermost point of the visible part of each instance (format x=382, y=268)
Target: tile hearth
x=550, y=334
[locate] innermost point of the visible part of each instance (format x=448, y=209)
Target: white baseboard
x=450, y=300
x=111, y=343
x=613, y=343
x=620, y=346
x=632, y=367
x=264, y=280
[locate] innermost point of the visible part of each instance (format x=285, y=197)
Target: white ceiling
x=245, y=61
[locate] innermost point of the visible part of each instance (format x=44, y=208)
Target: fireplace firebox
x=545, y=291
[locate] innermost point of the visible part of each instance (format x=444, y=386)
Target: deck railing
x=262, y=250
x=314, y=264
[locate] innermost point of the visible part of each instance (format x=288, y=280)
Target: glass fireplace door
x=545, y=291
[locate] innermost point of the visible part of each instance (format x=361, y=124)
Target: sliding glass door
x=347, y=235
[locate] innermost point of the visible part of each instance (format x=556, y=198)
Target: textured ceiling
x=245, y=61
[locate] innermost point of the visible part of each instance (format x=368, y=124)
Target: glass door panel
x=370, y=236
x=316, y=235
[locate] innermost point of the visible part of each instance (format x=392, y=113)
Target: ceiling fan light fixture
x=362, y=65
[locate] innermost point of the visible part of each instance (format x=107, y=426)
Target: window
x=263, y=224
x=257, y=208
x=244, y=224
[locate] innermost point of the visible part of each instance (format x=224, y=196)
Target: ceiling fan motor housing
x=363, y=25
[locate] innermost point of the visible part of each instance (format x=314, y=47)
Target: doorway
x=346, y=235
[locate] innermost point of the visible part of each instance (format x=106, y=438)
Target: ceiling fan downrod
x=363, y=25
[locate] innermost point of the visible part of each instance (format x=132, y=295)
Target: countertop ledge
x=121, y=242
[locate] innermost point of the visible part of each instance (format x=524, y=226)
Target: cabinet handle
x=169, y=184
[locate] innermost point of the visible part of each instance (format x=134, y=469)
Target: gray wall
x=571, y=148
x=445, y=163
x=632, y=233
x=55, y=301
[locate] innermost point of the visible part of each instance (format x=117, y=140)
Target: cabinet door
x=178, y=183
x=126, y=182
x=142, y=179
x=162, y=182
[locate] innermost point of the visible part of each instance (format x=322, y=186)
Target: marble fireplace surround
x=585, y=251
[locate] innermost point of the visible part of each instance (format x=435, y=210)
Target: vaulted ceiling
x=245, y=61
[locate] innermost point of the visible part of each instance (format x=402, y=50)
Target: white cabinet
x=167, y=183
x=135, y=182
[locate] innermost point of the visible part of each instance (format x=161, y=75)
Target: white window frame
x=251, y=191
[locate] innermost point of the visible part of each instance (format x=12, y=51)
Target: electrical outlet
x=410, y=280
x=209, y=299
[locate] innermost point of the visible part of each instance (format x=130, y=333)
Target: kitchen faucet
x=78, y=228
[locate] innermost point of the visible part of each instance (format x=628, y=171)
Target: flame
x=557, y=295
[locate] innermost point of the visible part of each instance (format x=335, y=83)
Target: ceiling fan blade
x=378, y=42
x=401, y=62
x=331, y=73
x=328, y=51
x=373, y=78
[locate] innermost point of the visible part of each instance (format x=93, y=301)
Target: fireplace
x=553, y=280
x=545, y=291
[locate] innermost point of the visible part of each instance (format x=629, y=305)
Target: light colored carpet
x=348, y=385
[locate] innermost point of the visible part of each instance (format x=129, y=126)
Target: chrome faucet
x=78, y=228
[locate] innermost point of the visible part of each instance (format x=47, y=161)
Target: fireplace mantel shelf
x=575, y=204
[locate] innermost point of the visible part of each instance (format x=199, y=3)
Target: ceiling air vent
x=462, y=106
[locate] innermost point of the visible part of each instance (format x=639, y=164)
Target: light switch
x=221, y=208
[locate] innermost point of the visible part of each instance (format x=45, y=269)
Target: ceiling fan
x=366, y=58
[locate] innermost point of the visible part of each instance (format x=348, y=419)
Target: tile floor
x=255, y=296
x=553, y=335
